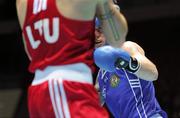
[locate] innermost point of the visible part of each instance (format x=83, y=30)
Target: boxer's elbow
x=154, y=75
x=150, y=74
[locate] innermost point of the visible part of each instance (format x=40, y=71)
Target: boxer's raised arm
x=113, y=23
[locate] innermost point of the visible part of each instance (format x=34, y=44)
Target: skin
x=100, y=38
x=148, y=70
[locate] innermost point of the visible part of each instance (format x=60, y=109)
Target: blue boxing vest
x=127, y=96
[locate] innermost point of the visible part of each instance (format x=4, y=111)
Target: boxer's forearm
x=113, y=23
x=147, y=70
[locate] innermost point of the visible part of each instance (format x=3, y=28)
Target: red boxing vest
x=51, y=39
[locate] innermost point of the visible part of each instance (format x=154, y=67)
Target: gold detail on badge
x=114, y=81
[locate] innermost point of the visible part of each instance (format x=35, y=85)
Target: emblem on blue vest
x=114, y=81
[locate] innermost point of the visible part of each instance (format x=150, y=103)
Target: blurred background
x=153, y=24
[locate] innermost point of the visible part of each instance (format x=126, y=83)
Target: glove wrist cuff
x=133, y=66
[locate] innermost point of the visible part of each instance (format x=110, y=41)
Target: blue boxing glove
x=109, y=58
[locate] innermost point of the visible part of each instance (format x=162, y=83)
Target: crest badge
x=114, y=81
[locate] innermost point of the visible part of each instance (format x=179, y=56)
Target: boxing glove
x=109, y=58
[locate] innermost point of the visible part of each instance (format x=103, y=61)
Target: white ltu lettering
x=39, y=5
x=39, y=26
x=42, y=26
x=33, y=43
x=55, y=34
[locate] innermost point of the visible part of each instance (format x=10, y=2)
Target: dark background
x=153, y=24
